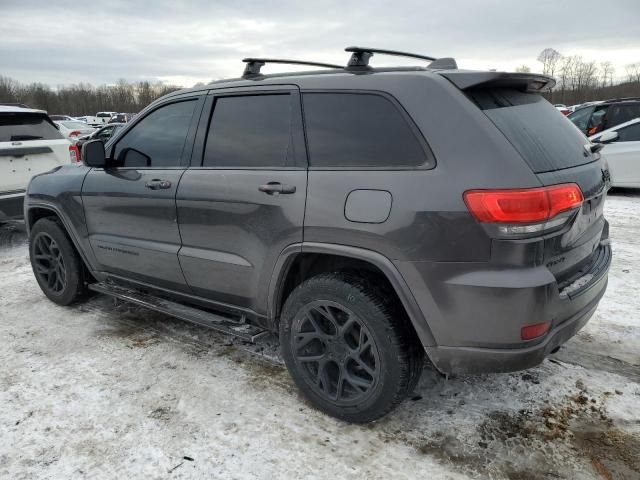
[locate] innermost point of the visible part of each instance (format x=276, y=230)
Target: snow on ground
x=108, y=390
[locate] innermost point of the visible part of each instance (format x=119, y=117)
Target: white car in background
x=104, y=117
x=74, y=129
x=29, y=144
x=622, y=152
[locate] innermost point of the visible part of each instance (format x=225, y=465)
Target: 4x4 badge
x=606, y=176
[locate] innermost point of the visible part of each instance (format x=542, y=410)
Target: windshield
x=16, y=127
x=541, y=134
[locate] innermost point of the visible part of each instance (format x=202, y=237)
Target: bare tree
x=633, y=72
x=606, y=74
x=549, y=58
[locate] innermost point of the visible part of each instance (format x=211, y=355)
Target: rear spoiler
x=526, y=82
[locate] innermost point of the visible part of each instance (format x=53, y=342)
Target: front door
x=242, y=201
x=130, y=210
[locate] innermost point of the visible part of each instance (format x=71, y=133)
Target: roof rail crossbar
x=361, y=55
x=255, y=64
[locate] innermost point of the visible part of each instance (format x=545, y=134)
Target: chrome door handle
x=277, y=188
x=157, y=184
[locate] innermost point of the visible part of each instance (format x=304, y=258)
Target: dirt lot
x=107, y=390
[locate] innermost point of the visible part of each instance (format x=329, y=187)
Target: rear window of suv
x=543, y=136
x=20, y=127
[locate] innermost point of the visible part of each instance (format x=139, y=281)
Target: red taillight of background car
x=74, y=154
x=75, y=133
x=531, y=205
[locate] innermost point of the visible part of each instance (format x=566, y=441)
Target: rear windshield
x=541, y=134
x=15, y=127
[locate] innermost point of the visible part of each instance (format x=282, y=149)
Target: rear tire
x=349, y=346
x=55, y=262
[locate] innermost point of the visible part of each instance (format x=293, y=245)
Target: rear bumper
x=476, y=314
x=483, y=360
x=11, y=205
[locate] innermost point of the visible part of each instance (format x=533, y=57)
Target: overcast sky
x=190, y=41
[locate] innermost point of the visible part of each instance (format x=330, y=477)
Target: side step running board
x=217, y=322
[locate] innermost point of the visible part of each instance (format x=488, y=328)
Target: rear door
x=130, y=210
x=242, y=201
x=29, y=144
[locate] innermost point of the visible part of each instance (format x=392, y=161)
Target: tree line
x=579, y=80
x=83, y=98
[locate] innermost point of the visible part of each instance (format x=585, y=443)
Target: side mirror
x=93, y=154
x=608, y=137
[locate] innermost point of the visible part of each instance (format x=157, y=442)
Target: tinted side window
x=622, y=113
x=15, y=127
x=249, y=131
x=158, y=139
x=580, y=118
x=630, y=133
x=358, y=130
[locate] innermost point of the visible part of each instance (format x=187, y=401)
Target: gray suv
x=372, y=218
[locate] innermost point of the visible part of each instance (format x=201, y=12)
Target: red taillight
x=75, y=133
x=534, y=331
x=74, y=154
x=531, y=205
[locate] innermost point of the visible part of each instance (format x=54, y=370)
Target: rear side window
x=541, y=134
x=622, y=113
x=159, y=138
x=16, y=127
x=359, y=130
x=630, y=133
x=249, y=131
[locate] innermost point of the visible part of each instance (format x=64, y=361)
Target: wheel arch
x=36, y=211
x=354, y=256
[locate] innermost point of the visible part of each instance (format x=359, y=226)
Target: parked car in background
x=104, y=117
x=57, y=118
x=103, y=133
x=122, y=118
x=622, y=152
x=74, y=129
x=563, y=109
x=600, y=116
x=342, y=212
x=29, y=144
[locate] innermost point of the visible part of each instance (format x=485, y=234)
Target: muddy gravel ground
x=108, y=390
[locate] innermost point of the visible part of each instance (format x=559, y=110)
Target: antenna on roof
x=255, y=64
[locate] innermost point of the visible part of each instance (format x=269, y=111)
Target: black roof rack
x=255, y=64
x=361, y=55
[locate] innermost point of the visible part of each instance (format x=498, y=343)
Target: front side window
x=623, y=113
x=250, y=131
x=630, y=133
x=358, y=130
x=580, y=118
x=158, y=139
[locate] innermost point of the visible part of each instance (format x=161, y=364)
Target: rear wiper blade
x=16, y=138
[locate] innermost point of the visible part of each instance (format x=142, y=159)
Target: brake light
x=530, y=332
x=74, y=154
x=531, y=205
x=75, y=133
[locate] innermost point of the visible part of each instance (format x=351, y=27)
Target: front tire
x=349, y=346
x=56, y=264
